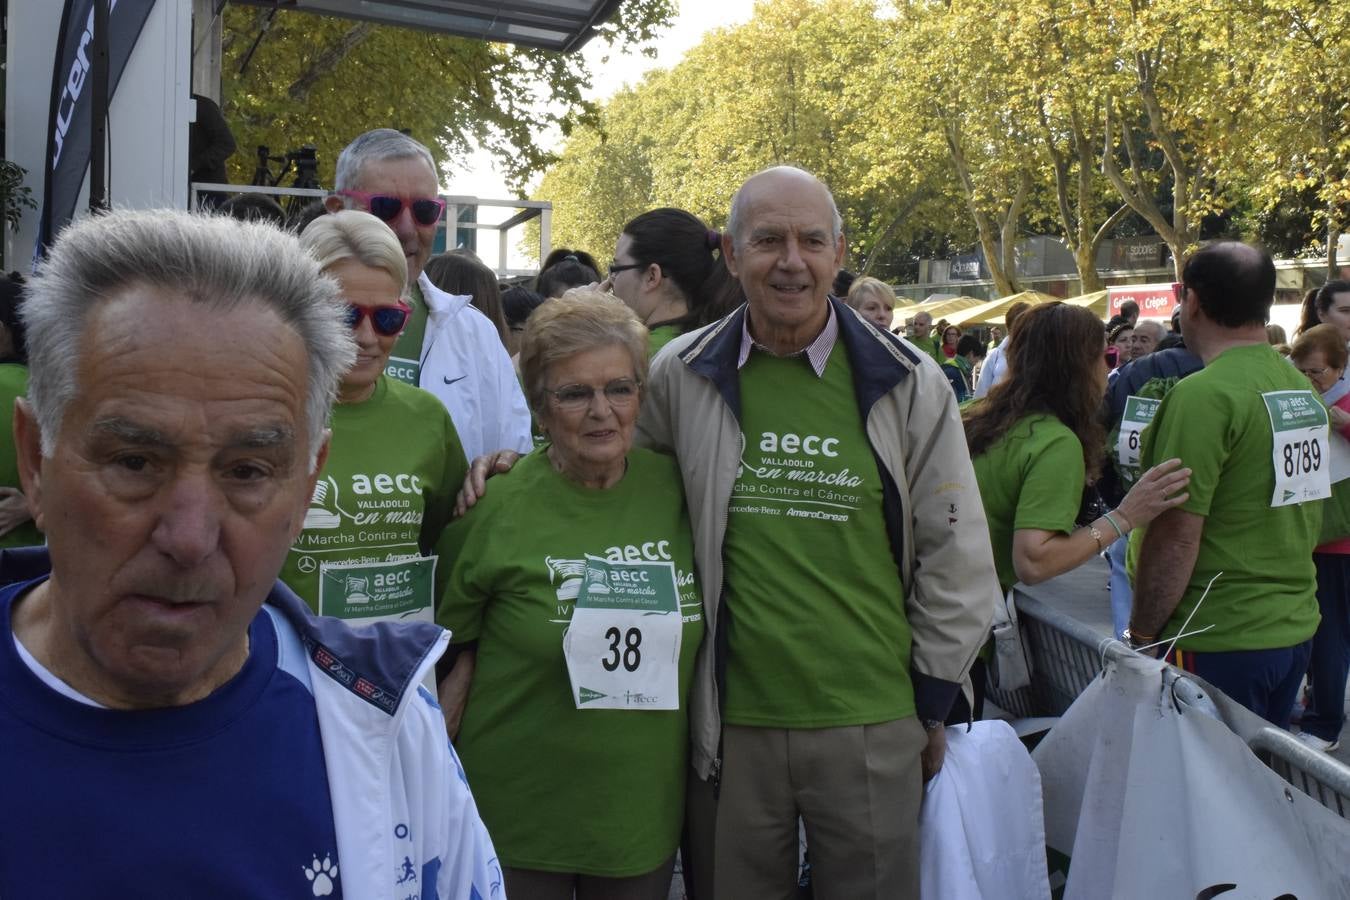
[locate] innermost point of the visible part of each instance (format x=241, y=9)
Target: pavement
x=1083, y=594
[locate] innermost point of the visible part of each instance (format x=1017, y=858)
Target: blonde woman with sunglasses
x=387, y=488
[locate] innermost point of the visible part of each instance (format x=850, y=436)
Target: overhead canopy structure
x=939, y=309
x=992, y=313
x=1094, y=303
x=564, y=25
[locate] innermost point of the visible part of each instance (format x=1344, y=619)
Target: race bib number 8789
x=1300, y=455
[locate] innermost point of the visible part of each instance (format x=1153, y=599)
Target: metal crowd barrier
x=1066, y=655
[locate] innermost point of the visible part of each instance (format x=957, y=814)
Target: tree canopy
x=292, y=78
x=951, y=122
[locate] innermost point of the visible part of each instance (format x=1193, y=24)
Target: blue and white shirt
x=227, y=797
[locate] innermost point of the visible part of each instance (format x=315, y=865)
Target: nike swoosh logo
x=449, y=380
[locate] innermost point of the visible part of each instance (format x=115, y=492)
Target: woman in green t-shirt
x=576, y=616
x=1037, y=439
x=668, y=268
x=394, y=460
x=17, y=528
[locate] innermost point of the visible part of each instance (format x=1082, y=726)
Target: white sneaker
x=1313, y=742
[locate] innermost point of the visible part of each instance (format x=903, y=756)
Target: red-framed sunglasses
x=387, y=321
x=386, y=207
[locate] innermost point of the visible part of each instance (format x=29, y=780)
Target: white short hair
x=215, y=261
x=375, y=146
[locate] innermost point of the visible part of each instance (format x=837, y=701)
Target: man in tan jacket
x=847, y=576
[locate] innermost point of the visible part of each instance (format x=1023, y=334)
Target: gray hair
x=582, y=319
x=375, y=146
x=355, y=235
x=1159, y=329
x=218, y=262
x=734, y=219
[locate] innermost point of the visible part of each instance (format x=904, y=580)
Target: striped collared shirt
x=817, y=353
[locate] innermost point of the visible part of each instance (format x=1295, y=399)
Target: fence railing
x=1066, y=655
x=291, y=199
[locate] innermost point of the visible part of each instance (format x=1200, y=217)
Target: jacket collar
x=873, y=353
x=376, y=663
x=440, y=305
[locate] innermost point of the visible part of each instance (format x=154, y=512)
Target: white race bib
x=1301, y=455
x=623, y=644
x=1139, y=413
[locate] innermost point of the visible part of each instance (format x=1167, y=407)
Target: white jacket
x=994, y=369
x=465, y=365
x=398, y=790
x=400, y=800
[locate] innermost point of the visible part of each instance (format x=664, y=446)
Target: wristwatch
x=1136, y=641
x=931, y=724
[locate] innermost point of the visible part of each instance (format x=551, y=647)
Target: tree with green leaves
x=1295, y=141
x=776, y=90
x=291, y=78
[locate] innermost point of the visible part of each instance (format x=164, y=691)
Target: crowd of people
x=683, y=553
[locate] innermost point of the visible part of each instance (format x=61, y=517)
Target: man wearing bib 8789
x=1254, y=434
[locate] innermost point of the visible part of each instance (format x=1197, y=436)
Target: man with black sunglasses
x=448, y=347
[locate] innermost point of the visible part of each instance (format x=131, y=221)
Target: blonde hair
x=356, y=235
x=868, y=285
x=584, y=318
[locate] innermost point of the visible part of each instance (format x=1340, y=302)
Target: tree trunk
x=1333, y=242
x=1004, y=277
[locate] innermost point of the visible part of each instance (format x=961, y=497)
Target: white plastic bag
x=981, y=832
x=1147, y=798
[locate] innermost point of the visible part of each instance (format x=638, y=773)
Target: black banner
x=70, y=120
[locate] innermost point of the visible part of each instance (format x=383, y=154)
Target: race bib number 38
x=623, y=643
x=1301, y=457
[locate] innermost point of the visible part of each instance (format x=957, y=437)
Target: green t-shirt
x=659, y=336
x=1217, y=423
x=816, y=628
x=932, y=345
x=405, y=362
x=13, y=384
x=1032, y=477
x=384, y=495
x=596, y=791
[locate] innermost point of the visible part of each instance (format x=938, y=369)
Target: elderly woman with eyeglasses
x=394, y=462
x=1320, y=354
x=576, y=616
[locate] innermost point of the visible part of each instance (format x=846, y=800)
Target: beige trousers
x=857, y=789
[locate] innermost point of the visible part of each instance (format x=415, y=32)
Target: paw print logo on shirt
x=321, y=876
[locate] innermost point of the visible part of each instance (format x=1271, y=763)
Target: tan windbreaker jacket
x=932, y=506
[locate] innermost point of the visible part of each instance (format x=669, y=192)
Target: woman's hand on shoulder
x=1161, y=488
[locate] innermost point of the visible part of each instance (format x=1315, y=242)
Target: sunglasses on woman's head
x=387, y=321
x=386, y=207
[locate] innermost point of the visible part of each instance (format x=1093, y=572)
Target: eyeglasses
x=620, y=393
x=617, y=266
x=1315, y=373
x=386, y=207
x=387, y=321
